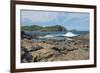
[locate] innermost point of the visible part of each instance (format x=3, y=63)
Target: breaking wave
x=69, y=34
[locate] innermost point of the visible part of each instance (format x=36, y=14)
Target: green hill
x=40, y=28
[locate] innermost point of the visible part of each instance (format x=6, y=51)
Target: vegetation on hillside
x=40, y=28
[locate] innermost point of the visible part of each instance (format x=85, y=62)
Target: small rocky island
x=38, y=47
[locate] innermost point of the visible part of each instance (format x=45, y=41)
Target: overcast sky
x=70, y=20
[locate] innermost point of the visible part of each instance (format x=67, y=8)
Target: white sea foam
x=49, y=36
x=70, y=34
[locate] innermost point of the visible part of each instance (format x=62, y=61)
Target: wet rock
x=24, y=35
x=26, y=55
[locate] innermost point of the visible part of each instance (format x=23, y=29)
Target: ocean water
x=54, y=35
x=43, y=32
x=58, y=33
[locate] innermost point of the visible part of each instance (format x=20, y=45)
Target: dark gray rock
x=26, y=55
x=24, y=35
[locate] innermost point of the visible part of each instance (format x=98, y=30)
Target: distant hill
x=40, y=28
x=73, y=30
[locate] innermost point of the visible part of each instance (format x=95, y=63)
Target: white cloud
x=39, y=16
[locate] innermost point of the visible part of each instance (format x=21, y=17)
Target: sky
x=70, y=20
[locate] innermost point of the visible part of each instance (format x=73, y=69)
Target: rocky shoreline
x=73, y=48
